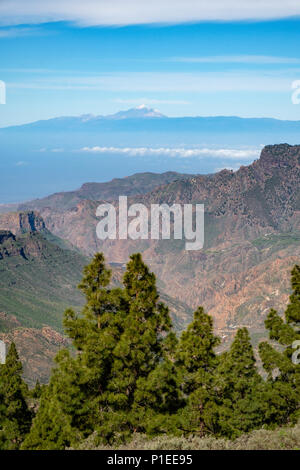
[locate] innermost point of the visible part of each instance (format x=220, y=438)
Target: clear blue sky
x=57, y=68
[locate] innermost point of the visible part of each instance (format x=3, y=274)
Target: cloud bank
x=18, y=32
x=139, y=82
x=237, y=59
x=131, y=12
x=242, y=154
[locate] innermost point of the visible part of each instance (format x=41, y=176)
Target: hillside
x=37, y=347
x=140, y=183
x=252, y=224
x=38, y=281
x=252, y=240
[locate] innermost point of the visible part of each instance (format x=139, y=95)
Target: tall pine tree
x=137, y=354
x=72, y=403
x=240, y=388
x=141, y=344
x=283, y=373
x=15, y=416
x=197, y=363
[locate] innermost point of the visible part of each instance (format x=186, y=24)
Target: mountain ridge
x=135, y=184
x=252, y=217
x=39, y=274
x=145, y=113
x=91, y=149
x=252, y=241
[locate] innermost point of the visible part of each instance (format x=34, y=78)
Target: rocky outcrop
x=22, y=222
x=252, y=241
x=252, y=218
x=6, y=235
x=37, y=349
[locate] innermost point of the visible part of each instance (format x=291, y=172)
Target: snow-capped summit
x=139, y=112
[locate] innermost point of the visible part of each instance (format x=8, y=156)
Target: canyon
x=252, y=239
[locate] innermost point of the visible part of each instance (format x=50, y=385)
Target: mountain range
x=62, y=153
x=39, y=274
x=252, y=241
x=152, y=119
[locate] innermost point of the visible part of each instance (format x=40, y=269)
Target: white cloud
x=237, y=59
x=142, y=82
x=21, y=163
x=245, y=154
x=18, y=32
x=125, y=12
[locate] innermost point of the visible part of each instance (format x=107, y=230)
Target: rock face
x=252, y=241
x=22, y=222
x=252, y=220
x=6, y=235
x=36, y=348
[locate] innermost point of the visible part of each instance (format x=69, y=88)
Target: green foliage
x=283, y=374
x=195, y=355
x=120, y=342
x=77, y=382
x=15, y=417
x=239, y=388
x=96, y=278
x=283, y=438
x=130, y=375
x=37, y=391
x=51, y=428
x=38, y=281
x=292, y=313
x=197, y=362
x=276, y=241
x=140, y=346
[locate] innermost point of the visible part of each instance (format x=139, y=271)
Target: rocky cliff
x=252, y=241
x=252, y=219
x=22, y=222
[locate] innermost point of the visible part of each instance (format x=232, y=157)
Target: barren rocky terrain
x=252, y=238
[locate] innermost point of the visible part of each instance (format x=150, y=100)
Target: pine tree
x=283, y=374
x=138, y=351
x=94, y=283
x=64, y=411
x=197, y=362
x=240, y=388
x=140, y=347
x=97, y=332
x=196, y=351
x=158, y=397
x=36, y=392
x=71, y=405
x=292, y=313
x=15, y=416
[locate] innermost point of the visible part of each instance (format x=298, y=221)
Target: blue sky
x=183, y=57
x=59, y=67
